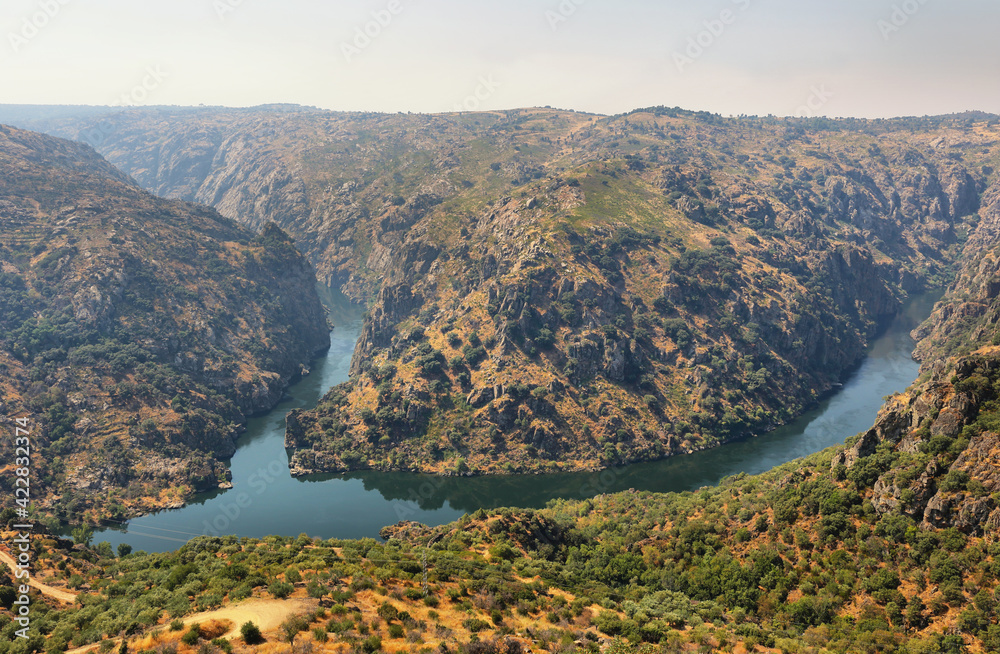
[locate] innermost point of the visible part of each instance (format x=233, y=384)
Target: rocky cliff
x=558, y=290
x=933, y=453
x=138, y=333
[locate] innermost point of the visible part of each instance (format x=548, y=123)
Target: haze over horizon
x=863, y=59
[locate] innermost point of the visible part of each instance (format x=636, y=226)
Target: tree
x=124, y=549
x=915, y=617
x=7, y=596
x=251, y=633
x=281, y=589
x=82, y=535
x=292, y=626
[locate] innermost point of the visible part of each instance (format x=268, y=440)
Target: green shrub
x=281, y=589
x=335, y=626
x=192, y=636
x=955, y=480
x=475, y=625
x=251, y=634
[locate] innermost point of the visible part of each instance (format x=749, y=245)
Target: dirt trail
x=268, y=614
x=61, y=594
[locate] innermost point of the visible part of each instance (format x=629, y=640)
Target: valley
x=266, y=499
x=553, y=291
x=138, y=333
x=544, y=292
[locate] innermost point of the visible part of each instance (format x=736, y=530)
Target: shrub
x=251, y=634
x=192, y=636
x=475, y=625
x=292, y=626
x=335, y=626
x=281, y=589
x=955, y=480
x=503, y=551
x=388, y=612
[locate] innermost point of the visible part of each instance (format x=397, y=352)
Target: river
x=265, y=499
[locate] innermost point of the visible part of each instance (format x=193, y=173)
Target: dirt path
x=268, y=614
x=61, y=594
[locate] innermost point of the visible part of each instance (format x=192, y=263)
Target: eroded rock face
x=164, y=324
x=940, y=495
x=394, y=304
x=949, y=418
x=414, y=216
x=893, y=424
x=944, y=424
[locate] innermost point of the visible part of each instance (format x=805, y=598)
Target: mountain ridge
x=631, y=286
x=138, y=332
x=885, y=544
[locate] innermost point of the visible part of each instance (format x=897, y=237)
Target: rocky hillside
x=934, y=453
x=553, y=290
x=136, y=334
x=796, y=560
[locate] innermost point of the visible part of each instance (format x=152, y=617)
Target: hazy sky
x=835, y=57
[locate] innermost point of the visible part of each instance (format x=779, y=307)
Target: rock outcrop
x=940, y=441
x=135, y=330
x=687, y=281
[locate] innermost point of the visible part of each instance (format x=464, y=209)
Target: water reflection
x=889, y=368
x=266, y=500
